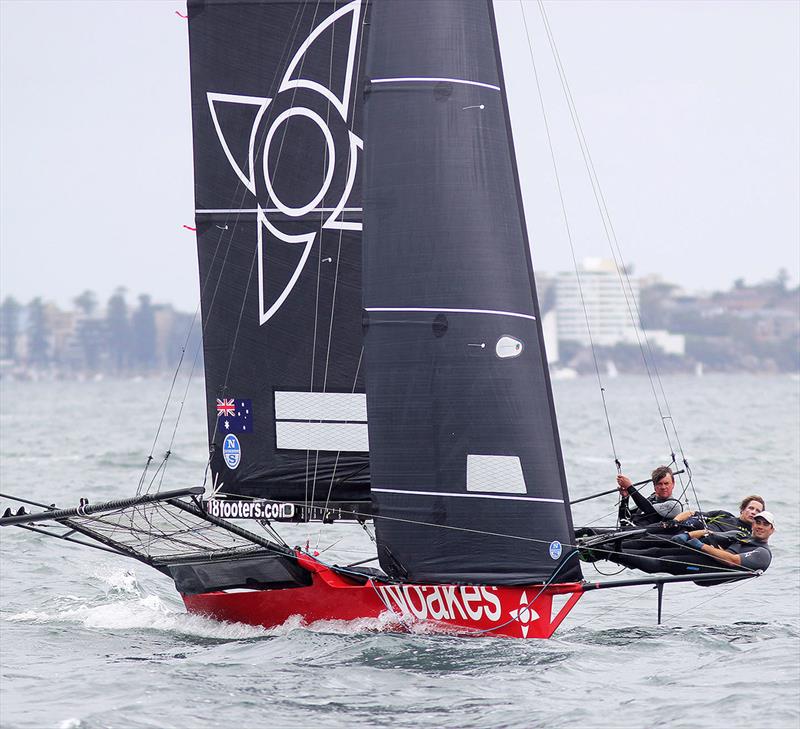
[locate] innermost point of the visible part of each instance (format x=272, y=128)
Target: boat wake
x=123, y=603
x=146, y=613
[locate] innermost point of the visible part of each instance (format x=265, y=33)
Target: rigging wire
x=736, y=584
x=668, y=542
x=610, y=233
x=650, y=364
x=160, y=423
x=545, y=585
x=616, y=608
x=301, y=10
x=511, y=620
x=602, y=389
x=237, y=216
x=518, y=537
x=336, y=280
x=190, y=530
x=325, y=163
x=182, y=403
x=569, y=238
x=627, y=291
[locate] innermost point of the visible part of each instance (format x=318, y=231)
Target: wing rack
x=158, y=529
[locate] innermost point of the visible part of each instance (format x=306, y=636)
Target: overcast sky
x=690, y=110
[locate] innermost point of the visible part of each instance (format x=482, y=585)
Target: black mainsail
x=461, y=448
x=277, y=146
x=467, y=475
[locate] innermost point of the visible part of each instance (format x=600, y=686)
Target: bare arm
x=683, y=516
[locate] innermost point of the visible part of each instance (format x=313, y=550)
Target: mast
x=277, y=144
x=467, y=475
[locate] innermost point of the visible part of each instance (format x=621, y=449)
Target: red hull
x=512, y=612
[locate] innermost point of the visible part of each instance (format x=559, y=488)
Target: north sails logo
x=261, y=142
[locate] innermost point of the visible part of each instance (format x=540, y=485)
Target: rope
x=608, y=574
x=615, y=248
x=599, y=198
x=544, y=586
x=705, y=602
x=658, y=537
x=569, y=237
x=351, y=111
x=617, y=607
x=319, y=275
x=235, y=222
x=518, y=537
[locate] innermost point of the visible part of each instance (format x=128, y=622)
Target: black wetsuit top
x=716, y=521
x=652, y=509
x=678, y=560
x=754, y=553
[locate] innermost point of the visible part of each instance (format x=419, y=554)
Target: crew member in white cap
x=721, y=550
x=751, y=553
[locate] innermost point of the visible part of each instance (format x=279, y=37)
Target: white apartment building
x=608, y=310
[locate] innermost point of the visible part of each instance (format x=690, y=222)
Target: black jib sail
x=277, y=155
x=467, y=476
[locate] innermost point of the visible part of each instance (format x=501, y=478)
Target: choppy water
x=91, y=641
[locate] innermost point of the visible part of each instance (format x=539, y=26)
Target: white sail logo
x=348, y=17
x=525, y=614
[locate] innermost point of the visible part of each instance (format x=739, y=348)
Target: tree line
x=117, y=338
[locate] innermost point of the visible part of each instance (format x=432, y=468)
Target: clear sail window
x=498, y=474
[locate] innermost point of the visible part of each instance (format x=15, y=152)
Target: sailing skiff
x=372, y=338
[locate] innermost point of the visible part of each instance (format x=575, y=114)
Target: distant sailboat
x=563, y=373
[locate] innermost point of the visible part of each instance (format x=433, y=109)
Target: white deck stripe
x=468, y=496
x=424, y=79
x=453, y=311
x=209, y=211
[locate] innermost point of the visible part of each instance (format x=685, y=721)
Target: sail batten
x=454, y=494
x=449, y=311
x=420, y=79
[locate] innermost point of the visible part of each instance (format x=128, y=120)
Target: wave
x=126, y=604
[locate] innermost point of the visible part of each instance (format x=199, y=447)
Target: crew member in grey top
x=690, y=555
x=752, y=553
x=661, y=506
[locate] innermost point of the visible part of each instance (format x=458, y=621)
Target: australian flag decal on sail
x=234, y=416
